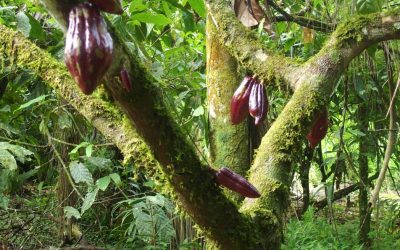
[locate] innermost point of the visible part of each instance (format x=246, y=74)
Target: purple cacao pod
x=258, y=102
x=110, y=6
x=318, y=129
x=236, y=183
x=88, y=47
x=125, y=79
x=240, y=101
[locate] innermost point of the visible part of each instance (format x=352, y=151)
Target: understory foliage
x=118, y=204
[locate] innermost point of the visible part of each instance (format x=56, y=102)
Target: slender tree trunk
x=65, y=193
x=365, y=218
x=229, y=144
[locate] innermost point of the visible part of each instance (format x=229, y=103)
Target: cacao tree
x=143, y=127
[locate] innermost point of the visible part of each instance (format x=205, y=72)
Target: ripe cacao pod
x=318, y=129
x=88, y=47
x=125, y=79
x=258, y=102
x=236, y=183
x=240, y=101
x=110, y=6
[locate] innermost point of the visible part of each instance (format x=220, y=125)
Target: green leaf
x=103, y=183
x=137, y=6
x=4, y=201
x=88, y=201
x=22, y=154
x=157, y=19
x=64, y=121
x=368, y=6
x=99, y=162
x=29, y=26
x=199, y=7
x=89, y=150
x=70, y=212
x=81, y=145
x=80, y=173
x=31, y=102
x=116, y=178
x=7, y=160
x=199, y=111
x=23, y=24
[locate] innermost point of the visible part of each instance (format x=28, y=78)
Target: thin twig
x=65, y=168
x=390, y=143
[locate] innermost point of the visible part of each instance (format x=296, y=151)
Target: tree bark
x=365, y=218
x=229, y=144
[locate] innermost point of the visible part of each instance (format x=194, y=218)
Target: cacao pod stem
x=236, y=183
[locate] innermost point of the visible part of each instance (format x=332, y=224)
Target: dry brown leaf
x=250, y=20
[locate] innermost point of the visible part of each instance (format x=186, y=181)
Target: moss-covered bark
x=17, y=51
x=229, y=144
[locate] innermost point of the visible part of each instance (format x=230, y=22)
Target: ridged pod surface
x=319, y=129
x=236, y=183
x=258, y=102
x=88, y=47
x=110, y=6
x=240, y=101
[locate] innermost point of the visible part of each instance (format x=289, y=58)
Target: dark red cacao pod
x=258, y=102
x=240, y=101
x=110, y=6
x=125, y=79
x=88, y=47
x=236, y=183
x=318, y=129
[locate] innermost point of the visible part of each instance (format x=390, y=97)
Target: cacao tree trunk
x=229, y=144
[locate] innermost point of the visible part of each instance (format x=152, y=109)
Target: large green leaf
x=70, y=212
x=89, y=199
x=157, y=19
x=22, y=154
x=103, y=183
x=29, y=26
x=199, y=7
x=368, y=6
x=80, y=173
